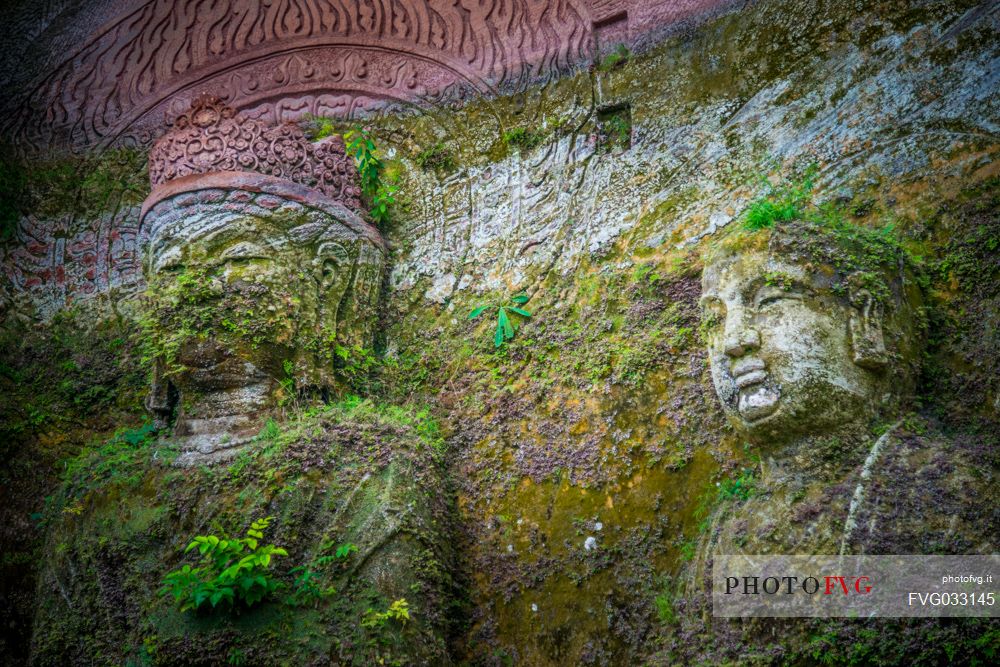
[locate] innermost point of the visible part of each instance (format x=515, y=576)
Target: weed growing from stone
x=398, y=611
x=523, y=139
x=436, y=157
x=664, y=602
x=318, y=127
x=619, y=56
x=307, y=589
x=231, y=571
x=741, y=488
x=781, y=203
x=375, y=187
x=505, y=329
x=287, y=384
x=614, y=127
x=120, y=461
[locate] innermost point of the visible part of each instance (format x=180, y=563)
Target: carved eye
x=245, y=250
x=769, y=294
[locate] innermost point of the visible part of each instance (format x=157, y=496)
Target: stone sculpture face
x=258, y=282
x=251, y=297
x=789, y=356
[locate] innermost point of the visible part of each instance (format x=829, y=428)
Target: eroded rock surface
x=597, y=469
x=345, y=476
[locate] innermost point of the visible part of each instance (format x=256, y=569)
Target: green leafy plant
x=398, y=611
x=505, y=329
x=382, y=202
x=306, y=589
x=620, y=127
x=779, y=279
x=118, y=461
x=742, y=487
x=318, y=127
x=436, y=157
x=522, y=138
x=688, y=549
x=664, y=601
x=344, y=551
x=287, y=383
x=270, y=431
x=370, y=166
x=380, y=192
x=556, y=124
x=231, y=571
x=646, y=272
x=356, y=364
x=781, y=203
x=615, y=127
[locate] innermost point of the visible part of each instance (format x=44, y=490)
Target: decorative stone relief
x=57, y=262
x=341, y=56
x=212, y=137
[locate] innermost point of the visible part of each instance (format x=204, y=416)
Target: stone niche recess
x=263, y=276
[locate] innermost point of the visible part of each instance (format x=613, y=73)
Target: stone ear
x=331, y=259
x=867, y=339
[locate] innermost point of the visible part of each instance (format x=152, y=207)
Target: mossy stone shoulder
x=356, y=479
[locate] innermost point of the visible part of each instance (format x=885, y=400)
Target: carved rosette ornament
x=262, y=277
x=212, y=137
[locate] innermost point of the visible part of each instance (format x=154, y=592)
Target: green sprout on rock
x=522, y=138
x=398, y=611
x=436, y=157
x=231, y=571
x=379, y=191
x=619, y=56
x=505, y=326
x=781, y=203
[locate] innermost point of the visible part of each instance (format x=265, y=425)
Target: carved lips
x=756, y=400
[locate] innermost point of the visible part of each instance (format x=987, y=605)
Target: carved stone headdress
x=211, y=137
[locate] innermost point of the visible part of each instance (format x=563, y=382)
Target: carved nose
x=740, y=340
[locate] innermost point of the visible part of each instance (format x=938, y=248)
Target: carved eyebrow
x=245, y=250
x=795, y=289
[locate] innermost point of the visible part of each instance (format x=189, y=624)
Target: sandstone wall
x=595, y=469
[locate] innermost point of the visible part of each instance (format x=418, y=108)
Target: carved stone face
x=788, y=357
x=252, y=296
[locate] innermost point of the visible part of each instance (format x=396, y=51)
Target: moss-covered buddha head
x=257, y=282
x=810, y=329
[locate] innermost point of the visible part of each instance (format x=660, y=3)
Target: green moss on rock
x=353, y=473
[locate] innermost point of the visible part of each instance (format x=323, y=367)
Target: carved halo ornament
x=113, y=77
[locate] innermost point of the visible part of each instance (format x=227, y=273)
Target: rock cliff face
x=586, y=470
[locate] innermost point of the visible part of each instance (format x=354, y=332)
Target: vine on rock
x=380, y=192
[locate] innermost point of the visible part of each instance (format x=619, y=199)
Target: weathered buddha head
x=809, y=330
x=257, y=286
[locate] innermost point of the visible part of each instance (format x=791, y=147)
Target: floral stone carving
x=258, y=285
x=212, y=137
